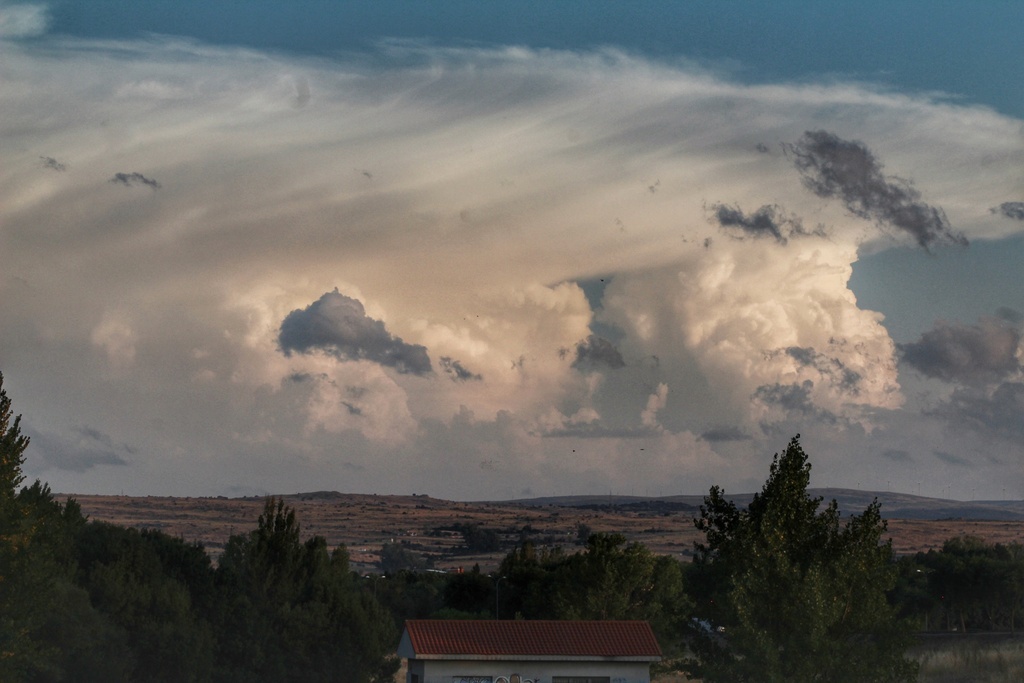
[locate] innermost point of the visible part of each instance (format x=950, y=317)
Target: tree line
x=784, y=589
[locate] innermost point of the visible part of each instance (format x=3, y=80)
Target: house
x=456, y=651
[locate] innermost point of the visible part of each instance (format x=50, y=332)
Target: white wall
x=437, y=671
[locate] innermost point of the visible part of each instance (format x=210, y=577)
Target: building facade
x=455, y=651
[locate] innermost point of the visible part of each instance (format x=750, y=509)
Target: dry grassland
x=363, y=523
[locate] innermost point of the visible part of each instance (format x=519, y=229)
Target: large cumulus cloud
x=455, y=196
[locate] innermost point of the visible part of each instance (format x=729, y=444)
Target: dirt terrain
x=428, y=526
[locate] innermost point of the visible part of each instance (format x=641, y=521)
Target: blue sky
x=495, y=249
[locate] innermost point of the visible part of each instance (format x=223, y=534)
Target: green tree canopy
x=799, y=595
x=294, y=612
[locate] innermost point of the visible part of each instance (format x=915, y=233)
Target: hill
x=432, y=528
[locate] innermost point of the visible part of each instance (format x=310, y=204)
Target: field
x=424, y=525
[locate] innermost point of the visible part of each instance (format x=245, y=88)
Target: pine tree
x=12, y=447
x=797, y=594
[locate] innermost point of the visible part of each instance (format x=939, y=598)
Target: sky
x=495, y=250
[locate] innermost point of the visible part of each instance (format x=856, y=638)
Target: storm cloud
x=1014, y=210
x=79, y=450
x=133, y=179
x=51, y=163
x=997, y=411
x=795, y=400
x=338, y=325
x=767, y=221
x=596, y=351
x=457, y=371
x=834, y=168
x=504, y=181
x=833, y=369
x=972, y=354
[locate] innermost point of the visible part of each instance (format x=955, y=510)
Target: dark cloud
x=338, y=325
x=720, y=434
x=1010, y=315
x=971, y=354
x=50, y=162
x=835, y=168
x=793, y=398
x=952, y=459
x=79, y=450
x=132, y=179
x=1013, y=210
x=897, y=455
x=594, y=351
x=999, y=412
x=833, y=369
x=457, y=371
x=768, y=221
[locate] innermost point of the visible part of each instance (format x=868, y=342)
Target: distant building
x=456, y=651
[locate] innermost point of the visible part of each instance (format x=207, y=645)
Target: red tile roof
x=532, y=638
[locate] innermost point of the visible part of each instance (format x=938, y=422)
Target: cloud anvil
x=226, y=267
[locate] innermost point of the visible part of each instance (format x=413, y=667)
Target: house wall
x=446, y=671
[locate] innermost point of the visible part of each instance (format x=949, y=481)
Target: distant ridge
x=851, y=501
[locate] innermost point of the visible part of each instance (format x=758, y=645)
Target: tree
x=28, y=571
x=610, y=579
x=799, y=595
x=292, y=611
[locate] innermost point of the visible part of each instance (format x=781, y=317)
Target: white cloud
x=116, y=338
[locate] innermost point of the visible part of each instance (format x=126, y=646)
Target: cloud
x=792, y=398
x=726, y=433
x=897, y=455
x=50, y=162
x=338, y=325
x=23, y=20
x=596, y=351
x=973, y=354
x=952, y=459
x=302, y=92
x=994, y=411
x=1014, y=210
x=501, y=178
x=830, y=368
x=456, y=371
x=767, y=221
x=79, y=449
x=116, y=337
x=1010, y=315
x=655, y=402
x=130, y=179
x=832, y=167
